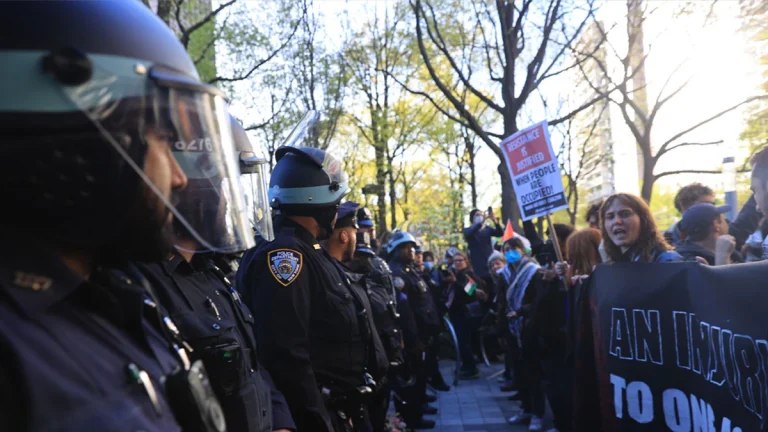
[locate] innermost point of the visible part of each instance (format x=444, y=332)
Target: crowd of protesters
x=533, y=294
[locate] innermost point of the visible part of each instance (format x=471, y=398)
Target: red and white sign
x=535, y=172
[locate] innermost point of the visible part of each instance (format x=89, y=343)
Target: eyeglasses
x=459, y=260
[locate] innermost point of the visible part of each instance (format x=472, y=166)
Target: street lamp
x=729, y=184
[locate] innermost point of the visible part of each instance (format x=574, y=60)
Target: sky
x=714, y=57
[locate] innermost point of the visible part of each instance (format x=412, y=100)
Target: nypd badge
x=399, y=283
x=285, y=265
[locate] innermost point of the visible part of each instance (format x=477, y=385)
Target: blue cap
x=347, y=215
x=699, y=217
x=364, y=217
x=364, y=243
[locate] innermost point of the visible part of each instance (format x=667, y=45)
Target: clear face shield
x=254, y=178
x=190, y=165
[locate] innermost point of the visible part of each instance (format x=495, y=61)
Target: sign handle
x=555, y=241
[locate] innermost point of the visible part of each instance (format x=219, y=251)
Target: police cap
x=347, y=215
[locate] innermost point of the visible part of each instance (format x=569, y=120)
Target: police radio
x=188, y=389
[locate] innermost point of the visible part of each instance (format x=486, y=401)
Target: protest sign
x=679, y=347
x=535, y=171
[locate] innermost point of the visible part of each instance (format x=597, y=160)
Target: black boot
x=430, y=398
x=421, y=424
x=428, y=409
x=438, y=383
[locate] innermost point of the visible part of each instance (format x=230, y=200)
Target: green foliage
x=755, y=15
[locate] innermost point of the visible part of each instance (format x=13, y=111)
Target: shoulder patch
x=285, y=265
x=399, y=283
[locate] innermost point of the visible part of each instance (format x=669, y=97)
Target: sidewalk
x=477, y=405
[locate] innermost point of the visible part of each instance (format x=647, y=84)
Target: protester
x=687, y=196
x=583, y=256
x=544, y=252
x=497, y=264
x=429, y=261
x=521, y=295
x=479, y=241
x=706, y=235
x=593, y=215
x=629, y=232
x=464, y=311
x=756, y=246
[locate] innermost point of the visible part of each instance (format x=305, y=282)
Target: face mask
x=478, y=219
x=429, y=265
x=513, y=256
x=500, y=271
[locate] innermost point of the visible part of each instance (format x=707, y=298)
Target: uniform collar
x=200, y=262
x=33, y=277
x=289, y=227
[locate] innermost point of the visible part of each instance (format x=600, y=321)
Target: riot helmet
x=105, y=106
x=254, y=174
x=400, y=238
x=307, y=181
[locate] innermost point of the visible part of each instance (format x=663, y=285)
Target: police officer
x=401, y=251
x=87, y=122
x=305, y=308
x=211, y=316
x=342, y=245
x=431, y=365
x=383, y=308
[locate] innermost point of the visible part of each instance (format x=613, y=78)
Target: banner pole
x=555, y=241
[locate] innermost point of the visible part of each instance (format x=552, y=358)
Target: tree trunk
x=509, y=208
x=164, y=10
x=575, y=211
x=470, y=148
x=381, y=181
x=648, y=180
x=392, y=197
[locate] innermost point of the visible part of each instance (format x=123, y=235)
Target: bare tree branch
x=686, y=144
x=679, y=135
x=186, y=33
x=669, y=173
x=261, y=62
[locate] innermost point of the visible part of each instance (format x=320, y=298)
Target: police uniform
x=78, y=355
x=408, y=279
x=307, y=323
x=416, y=292
x=213, y=319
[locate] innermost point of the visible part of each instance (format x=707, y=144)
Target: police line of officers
x=130, y=195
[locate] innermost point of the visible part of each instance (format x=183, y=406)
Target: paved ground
x=477, y=405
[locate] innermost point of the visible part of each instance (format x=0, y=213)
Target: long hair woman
x=583, y=254
x=630, y=233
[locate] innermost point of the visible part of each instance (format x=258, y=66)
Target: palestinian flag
x=470, y=287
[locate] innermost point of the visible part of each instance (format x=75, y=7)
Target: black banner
x=676, y=346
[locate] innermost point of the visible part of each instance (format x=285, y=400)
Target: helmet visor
x=255, y=186
x=191, y=122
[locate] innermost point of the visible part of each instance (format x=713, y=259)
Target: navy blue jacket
x=306, y=311
x=66, y=345
x=212, y=318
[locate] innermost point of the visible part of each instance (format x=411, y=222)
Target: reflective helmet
x=399, y=238
x=306, y=177
x=254, y=174
x=92, y=88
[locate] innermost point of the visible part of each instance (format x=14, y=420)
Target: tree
x=581, y=154
x=320, y=76
x=390, y=123
x=755, y=16
x=629, y=92
x=514, y=47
